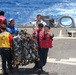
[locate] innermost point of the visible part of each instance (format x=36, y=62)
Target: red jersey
x=36, y=32
x=2, y=19
x=45, y=41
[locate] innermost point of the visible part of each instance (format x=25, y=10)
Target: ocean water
x=24, y=11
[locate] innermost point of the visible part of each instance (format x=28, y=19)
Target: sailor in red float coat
x=37, y=33
x=45, y=42
x=2, y=19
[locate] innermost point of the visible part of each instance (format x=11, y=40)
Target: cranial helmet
x=11, y=20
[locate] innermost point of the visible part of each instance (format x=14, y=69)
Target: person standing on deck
x=45, y=38
x=38, y=21
x=5, y=48
x=11, y=27
x=37, y=33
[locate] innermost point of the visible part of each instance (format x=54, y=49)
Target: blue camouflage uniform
x=12, y=29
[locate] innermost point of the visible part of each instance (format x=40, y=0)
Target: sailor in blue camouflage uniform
x=11, y=27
